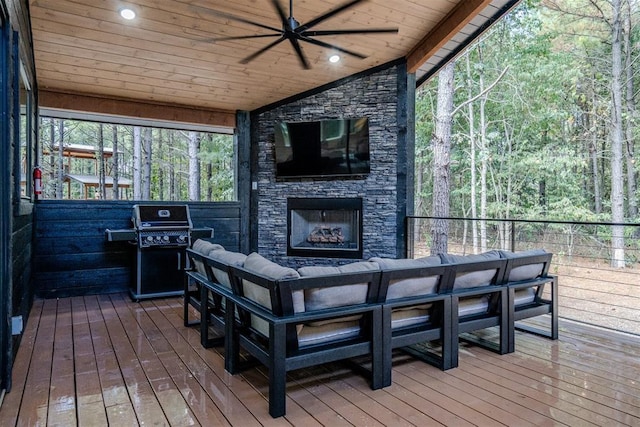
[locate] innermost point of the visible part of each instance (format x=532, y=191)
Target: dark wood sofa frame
x=496, y=314
x=539, y=306
x=438, y=328
x=280, y=353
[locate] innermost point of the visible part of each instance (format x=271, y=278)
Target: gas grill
x=161, y=234
x=162, y=226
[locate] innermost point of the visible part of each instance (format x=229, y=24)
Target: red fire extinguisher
x=37, y=181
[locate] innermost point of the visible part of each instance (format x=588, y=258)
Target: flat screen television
x=337, y=147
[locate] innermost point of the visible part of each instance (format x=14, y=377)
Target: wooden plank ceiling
x=168, y=55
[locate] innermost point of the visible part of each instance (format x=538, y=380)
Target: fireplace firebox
x=324, y=227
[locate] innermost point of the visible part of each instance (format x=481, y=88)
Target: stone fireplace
x=375, y=226
x=324, y=227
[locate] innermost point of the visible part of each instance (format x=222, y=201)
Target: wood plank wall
x=72, y=256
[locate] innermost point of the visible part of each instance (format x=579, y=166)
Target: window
x=24, y=135
x=98, y=160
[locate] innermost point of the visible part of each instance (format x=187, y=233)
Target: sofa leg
x=204, y=317
x=387, y=350
x=449, y=350
x=277, y=371
x=231, y=340
x=380, y=361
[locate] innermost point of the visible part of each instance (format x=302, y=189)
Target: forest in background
x=151, y=163
x=536, y=120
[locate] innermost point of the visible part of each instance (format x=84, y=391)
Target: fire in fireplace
x=324, y=227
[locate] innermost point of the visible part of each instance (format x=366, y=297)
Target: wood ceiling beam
x=136, y=109
x=463, y=13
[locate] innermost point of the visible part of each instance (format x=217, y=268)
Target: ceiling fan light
x=334, y=58
x=127, y=14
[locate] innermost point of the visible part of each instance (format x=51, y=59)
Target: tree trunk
x=161, y=135
x=630, y=119
x=441, y=160
x=146, y=171
x=209, y=181
x=102, y=188
x=172, y=170
x=54, y=184
x=617, y=188
x=592, y=127
x=115, y=174
x=472, y=155
x=137, y=163
x=484, y=156
x=60, y=180
x=194, y=166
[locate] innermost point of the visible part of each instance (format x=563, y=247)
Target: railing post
x=513, y=236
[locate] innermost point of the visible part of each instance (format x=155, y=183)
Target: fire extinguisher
x=37, y=181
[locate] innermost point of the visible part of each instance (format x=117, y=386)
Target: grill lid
x=149, y=217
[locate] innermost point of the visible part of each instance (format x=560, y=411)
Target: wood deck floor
x=105, y=360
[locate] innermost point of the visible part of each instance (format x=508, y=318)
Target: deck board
x=105, y=360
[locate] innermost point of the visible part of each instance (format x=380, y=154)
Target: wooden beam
x=136, y=109
x=463, y=13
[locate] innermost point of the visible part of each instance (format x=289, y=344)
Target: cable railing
x=599, y=284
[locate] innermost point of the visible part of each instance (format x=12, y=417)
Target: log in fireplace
x=324, y=227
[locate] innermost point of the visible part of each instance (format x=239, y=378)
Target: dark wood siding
x=72, y=256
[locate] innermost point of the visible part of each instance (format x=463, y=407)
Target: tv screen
x=322, y=148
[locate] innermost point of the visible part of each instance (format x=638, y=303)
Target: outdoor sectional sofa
x=363, y=311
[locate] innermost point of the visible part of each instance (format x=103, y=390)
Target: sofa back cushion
x=472, y=279
x=204, y=247
x=410, y=286
x=235, y=259
x=336, y=296
x=526, y=271
x=259, y=265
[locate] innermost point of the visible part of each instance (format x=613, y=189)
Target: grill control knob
x=150, y=238
x=165, y=238
x=182, y=238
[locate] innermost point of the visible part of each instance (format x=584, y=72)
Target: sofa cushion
x=411, y=286
x=459, y=259
x=235, y=259
x=410, y=316
x=525, y=296
x=204, y=246
x=257, y=264
x=336, y=296
x=471, y=306
x=396, y=264
x=527, y=271
x=326, y=332
x=472, y=279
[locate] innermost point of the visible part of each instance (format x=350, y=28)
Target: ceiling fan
x=296, y=32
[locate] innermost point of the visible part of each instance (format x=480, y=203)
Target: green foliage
x=547, y=118
x=168, y=158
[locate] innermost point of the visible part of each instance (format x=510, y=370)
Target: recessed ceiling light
x=127, y=13
x=334, y=58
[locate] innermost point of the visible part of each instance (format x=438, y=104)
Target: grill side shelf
x=122, y=235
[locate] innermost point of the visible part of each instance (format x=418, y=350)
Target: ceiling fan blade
x=301, y=56
x=261, y=51
x=334, y=47
x=327, y=15
x=337, y=32
x=254, y=36
x=234, y=18
x=282, y=14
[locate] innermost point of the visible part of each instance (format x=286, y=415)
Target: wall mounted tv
x=338, y=147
